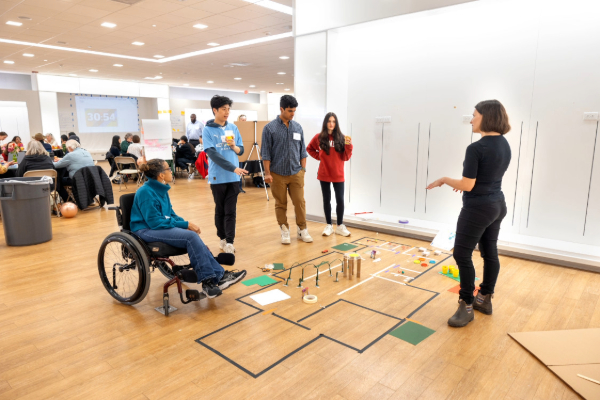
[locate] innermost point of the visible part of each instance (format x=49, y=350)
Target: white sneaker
x=229, y=248
x=342, y=231
x=328, y=230
x=285, y=235
x=222, y=244
x=304, y=235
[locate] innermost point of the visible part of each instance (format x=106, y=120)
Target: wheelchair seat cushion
x=160, y=249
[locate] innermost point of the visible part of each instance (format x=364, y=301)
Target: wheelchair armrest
x=114, y=208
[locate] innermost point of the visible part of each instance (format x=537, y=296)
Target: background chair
x=124, y=170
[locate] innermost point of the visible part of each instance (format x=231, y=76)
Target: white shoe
x=342, y=231
x=229, y=248
x=222, y=244
x=328, y=230
x=304, y=235
x=285, y=235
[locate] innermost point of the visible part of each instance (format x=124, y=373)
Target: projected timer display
x=101, y=117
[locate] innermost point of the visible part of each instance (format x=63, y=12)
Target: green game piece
x=278, y=266
x=449, y=275
x=262, y=280
x=412, y=333
x=345, y=246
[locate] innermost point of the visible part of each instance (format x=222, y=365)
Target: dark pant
x=183, y=162
x=61, y=190
x=194, y=142
x=338, y=188
x=225, y=196
x=478, y=224
x=113, y=167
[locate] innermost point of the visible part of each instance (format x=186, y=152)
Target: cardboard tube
x=358, y=264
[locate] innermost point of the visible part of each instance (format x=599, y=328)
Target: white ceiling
x=77, y=22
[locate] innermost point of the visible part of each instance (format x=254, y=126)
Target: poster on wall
x=66, y=121
x=156, y=139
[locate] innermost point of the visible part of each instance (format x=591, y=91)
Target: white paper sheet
x=272, y=296
x=444, y=240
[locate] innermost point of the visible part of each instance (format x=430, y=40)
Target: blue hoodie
x=224, y=159
x=152, y=208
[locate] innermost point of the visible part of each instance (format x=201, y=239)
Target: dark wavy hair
x=153, y=168
x=494, y=117
x=338, y=138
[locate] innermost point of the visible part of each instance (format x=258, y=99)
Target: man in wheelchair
x=153, y=220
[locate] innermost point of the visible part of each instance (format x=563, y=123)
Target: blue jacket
x=152, y=208
x=75, y=160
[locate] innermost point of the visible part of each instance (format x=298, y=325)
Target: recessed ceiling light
x=13, y=23
x=108, y=24
x=154, y=78
x=45, y=60
x=273, y=6
x=279, y=83
x=281, y=73
x=158, y=56
x=117, y=65
x=25, y=18
x=252, y=85
x=186, y=84
x=212, y=44
x=138, y=43
x=209, y=82
x=284, y=57
x=27, y=55
x=286, y=89
x=93, y=70
x=200, y=26
x=238, y=79
x=8, y=62
x=154, y=26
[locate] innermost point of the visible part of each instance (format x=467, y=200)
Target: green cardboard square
x=412, y=333
x=262, y=280
x=345, y=246
x=278, y=266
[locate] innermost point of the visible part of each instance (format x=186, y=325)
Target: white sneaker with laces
x=222, y=244
x=342, y=231
x=328, y=230
x=285, y=234
x=304, y=235
x=229, y=248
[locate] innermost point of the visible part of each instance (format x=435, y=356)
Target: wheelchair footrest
x=194, y=295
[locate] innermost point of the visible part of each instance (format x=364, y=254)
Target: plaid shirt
x=280, y=148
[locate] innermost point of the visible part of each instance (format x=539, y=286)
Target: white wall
x=428, y=70
x=31, y=98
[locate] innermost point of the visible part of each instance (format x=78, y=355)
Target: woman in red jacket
x=332, y=149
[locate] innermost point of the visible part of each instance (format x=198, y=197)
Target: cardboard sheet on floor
x=271, y=296
x=586, y=389
x=412, y=333
x=567, y=347
x=345, y=246
x=262, y=280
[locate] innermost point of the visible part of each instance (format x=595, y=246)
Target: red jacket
x=331, y=167
x=202, y=165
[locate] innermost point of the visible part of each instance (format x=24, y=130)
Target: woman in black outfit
x=184, y=154
x=115, y=151
x=483, y=210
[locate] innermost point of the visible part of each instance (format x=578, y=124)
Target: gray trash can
x=25, y=207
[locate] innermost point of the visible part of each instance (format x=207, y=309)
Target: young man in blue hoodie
x=223, y=144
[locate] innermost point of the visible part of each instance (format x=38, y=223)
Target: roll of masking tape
x=310, y=299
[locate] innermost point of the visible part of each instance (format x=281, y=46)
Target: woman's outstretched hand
x=194, y=228
x=435, y=184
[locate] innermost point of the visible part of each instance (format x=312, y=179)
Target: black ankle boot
x=462, y=316
x=483, y=303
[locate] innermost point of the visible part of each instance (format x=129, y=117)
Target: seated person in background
x=125, y=143
x=63, y=143
x=3, y=136
x=40, y=138
x=51, y=141
x=73, y=136
x=185, y=154
x=115, y=151
x=76, y=159
x=135, y=148
x=9, y=151
x=153, y=220
x=35, y=159
x=17, y=140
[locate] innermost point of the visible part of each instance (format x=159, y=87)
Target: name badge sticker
x=296, y=136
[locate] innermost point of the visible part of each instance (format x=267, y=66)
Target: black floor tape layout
x=320, y=336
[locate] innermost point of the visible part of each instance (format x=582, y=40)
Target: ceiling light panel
x=272, y=6
x=108, y=24
x=138, y=43
x=13, y=23
x=200, y=26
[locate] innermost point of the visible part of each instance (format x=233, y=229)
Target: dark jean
x=225, y=196
x=201, y=259
x=338, y=188
x=183, y=163
x=478, y=223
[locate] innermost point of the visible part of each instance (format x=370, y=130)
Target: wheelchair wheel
x=166, y=269
x=124, y=268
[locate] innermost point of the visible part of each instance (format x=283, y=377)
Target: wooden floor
x=63, y=337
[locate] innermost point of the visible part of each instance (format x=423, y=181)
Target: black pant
x=478, y=223
x=183, y=162
x=225, y=196
x=61, y=189
x=338, y=187
x=194, y=142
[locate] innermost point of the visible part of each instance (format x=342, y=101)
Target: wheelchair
x=125, y=263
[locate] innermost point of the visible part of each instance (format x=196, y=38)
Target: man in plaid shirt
x=284, y=157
